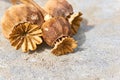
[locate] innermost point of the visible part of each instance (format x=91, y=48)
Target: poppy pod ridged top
x=25, y=35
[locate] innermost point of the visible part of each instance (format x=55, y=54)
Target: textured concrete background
x=96, y=58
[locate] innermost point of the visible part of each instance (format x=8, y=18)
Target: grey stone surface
x=96, y=58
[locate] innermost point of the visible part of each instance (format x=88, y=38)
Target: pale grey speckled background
x=96, y=58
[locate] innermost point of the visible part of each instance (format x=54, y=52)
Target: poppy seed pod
x=64, y=9
x=21, y=26
x=56, y=33
x=20, y=13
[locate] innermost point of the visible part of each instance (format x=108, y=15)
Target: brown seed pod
x=56, y=33
x=25, y=35
x=20, y=13
x=58, y=8
x=64, y=9
x=21, y=25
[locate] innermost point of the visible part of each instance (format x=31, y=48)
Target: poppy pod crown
x=56, y=33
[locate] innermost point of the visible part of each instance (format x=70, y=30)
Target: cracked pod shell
x=20, y=13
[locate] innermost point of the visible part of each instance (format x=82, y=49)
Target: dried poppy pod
x=58, y=8
x=21, y=26
x=20, y=13
x=64, y=9
x=25, y=35
x=56, y=33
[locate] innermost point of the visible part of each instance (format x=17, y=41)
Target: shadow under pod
x=41, y=48
x=80, y=36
